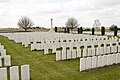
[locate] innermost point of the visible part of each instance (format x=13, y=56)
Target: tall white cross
x=51, y=29
x=51, y=23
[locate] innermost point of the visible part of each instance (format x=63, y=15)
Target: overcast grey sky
x=40, y=12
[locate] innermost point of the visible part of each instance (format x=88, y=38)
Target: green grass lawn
x=44, y=67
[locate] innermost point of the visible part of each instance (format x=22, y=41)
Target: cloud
x=40, y=11
x=4, y=1
x=108, y=3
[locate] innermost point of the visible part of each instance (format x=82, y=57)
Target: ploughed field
x=44, y=67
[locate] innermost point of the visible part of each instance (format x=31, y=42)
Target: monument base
x=51, y=30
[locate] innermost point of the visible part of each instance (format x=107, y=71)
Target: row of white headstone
x=51, y=41
x=14, y=73
x=99, y=61
x=85, y=52
x=5, y=62
x=6, y=59
x=70, y=55
x=2, y=51
x=105, y=48
x=27, y=38
x=60, y=43
x=100, y=50
x=54, y=46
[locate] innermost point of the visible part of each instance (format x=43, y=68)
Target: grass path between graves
x=44, y=67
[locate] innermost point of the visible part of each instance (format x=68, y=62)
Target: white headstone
x=32, y=47
x=63, y=54
x=79, y=53
x=105, y=59
x=3, y=53
x=89, y=52
x=118, y=48
x=53, y=50
x=105, y=50
x=25, y=72
x=0, y=61
x=73, y=53
x=1, y=48
x=113, y=49
x=26, y=45
x=38, y=46
x=94, y=62
x=110, y=61
x=97, y=51
x=88, y=63
x=69, y=54
x=93, y=51
x=58, y=55
x=46, y=51
x=108, y=49
x=101, y=50
x=118, y=57
x=14, y=73
x=42, y=46
x=99, y=61
x=82, y=64
x=3, y=73
x=103, y=62
x=84, y=52
x=7, y=60
x=114, y=58
x=111, y=58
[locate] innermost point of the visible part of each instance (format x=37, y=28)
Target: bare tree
x=25, y=23
x=72, y=23
x=112, y=27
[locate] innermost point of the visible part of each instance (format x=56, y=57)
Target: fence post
x=115, y=31
x=65, y=30
x=81, y=30
x=55, y=29
x=78, y=30
x=102, y=30
x=68, y=30
x=93, y=31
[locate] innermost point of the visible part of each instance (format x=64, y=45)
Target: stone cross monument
x=51, y=29
x=51, y=23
